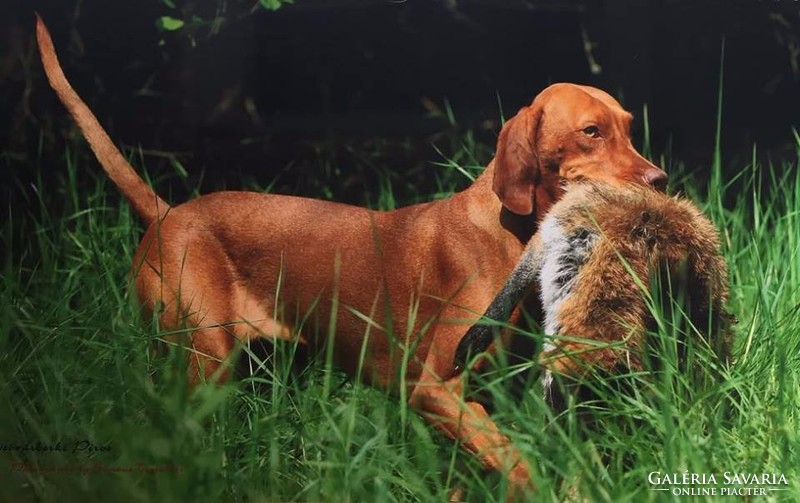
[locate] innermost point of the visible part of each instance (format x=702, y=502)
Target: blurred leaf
x=273, y=4
x=168, y=3
x=168, y=23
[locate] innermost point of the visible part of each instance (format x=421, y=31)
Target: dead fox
x=600, y=256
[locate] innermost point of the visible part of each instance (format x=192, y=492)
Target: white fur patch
x=554, y=245
x=562, y=257
x=547, y=386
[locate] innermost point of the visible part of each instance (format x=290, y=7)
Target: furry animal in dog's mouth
x=604, y=259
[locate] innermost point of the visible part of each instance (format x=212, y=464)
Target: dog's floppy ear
x=479, y=337
x=516, y=166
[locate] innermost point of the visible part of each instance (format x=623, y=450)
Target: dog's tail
x=141, y=196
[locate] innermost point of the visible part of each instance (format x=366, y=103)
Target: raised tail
x=141, y=196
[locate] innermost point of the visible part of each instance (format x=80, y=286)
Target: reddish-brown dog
x=401, y=286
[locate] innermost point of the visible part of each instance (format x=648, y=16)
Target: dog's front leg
x=468, y=422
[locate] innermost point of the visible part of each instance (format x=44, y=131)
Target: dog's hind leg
x=194, y=293
x=212, y=330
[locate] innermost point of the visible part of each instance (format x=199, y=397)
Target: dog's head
x=569, y=133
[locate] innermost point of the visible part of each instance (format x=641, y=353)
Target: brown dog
x=399, y=286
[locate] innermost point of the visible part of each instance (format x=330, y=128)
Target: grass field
x=77, y=382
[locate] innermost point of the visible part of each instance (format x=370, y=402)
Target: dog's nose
x=655, y=177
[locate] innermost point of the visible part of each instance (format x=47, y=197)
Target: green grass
x=76, y=366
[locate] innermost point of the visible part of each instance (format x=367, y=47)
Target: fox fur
x=594, y=261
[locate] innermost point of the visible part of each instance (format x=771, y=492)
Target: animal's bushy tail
x=141, y=196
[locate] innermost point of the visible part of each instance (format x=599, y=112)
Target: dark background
x=324, y=96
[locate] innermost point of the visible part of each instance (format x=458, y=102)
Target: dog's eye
x=592, y=131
